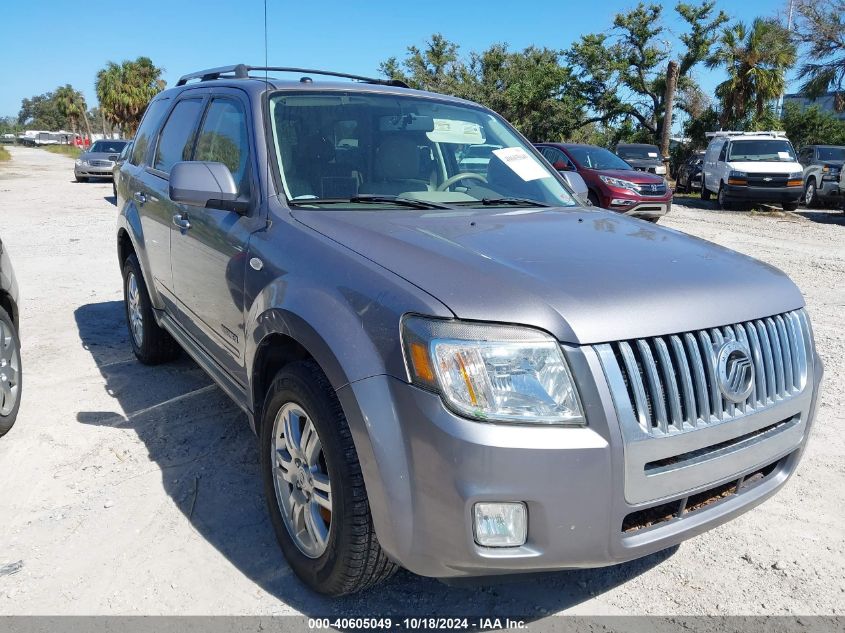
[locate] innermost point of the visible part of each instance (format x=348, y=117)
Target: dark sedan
x=689, y=174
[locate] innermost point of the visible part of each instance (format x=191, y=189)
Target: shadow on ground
x=823, y=216
x=111, y=200
x=209, y=461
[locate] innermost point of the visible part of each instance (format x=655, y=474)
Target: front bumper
x=425, y=468
x=763, y=194
x=829, y=189
x=90, y=171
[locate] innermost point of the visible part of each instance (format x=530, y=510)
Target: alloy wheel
x=136, y=318
x=10, y=367
x=301, y=480
x=810, y=193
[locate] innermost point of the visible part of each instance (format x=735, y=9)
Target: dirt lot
x=128, y=489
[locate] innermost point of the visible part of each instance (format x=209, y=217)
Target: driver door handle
x=182, y=221
x=140, y=198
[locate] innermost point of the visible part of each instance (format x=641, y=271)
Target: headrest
x=398, y=158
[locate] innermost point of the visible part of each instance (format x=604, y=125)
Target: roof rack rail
x=741, y=133
x=241, y=71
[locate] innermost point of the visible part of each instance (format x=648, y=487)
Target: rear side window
x=223, y=139
x=177, y=136
x=152, y=118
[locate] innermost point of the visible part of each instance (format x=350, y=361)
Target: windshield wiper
x=522, y=202
x=367, y=198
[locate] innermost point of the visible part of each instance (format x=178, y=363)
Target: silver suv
x=463, y=373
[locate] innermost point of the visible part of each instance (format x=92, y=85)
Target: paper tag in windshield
x=522, y=163
x=652, y=154
x=784, y=155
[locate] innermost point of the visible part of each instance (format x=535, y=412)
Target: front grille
x=101, y=163
x=679, y=508
x=671, y=381
x=774, y=180
x=652, y=190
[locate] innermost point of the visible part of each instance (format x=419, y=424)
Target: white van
x=752, y=167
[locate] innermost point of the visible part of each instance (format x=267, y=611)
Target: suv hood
x=631, y=175
x=585, y=276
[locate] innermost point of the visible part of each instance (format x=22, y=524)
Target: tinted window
x=724, y=151
x=177, y=136
x=590, y=157
x=223, y=139
x=638, y=151
x=832, y=153
x=153, y=116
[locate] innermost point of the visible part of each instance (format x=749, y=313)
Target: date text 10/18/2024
x=417, y=623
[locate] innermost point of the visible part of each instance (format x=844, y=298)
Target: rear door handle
x=139, y=196
x=182, y=221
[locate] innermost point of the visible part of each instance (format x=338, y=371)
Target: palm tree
x=72, y=106
x=125, y=89
x=820, y=30
x=756, y=60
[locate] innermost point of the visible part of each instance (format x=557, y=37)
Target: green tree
x=71, y=103
x=811, y=126
x=621, y=72
x=756, y=60
x=125, y=89
x=820, y=30
x=528, y=88
x=42, y=112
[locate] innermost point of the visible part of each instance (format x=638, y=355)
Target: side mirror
x=203, y=184
x=561, y=165
x=577, y=185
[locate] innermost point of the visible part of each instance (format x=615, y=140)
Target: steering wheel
x=465, y=174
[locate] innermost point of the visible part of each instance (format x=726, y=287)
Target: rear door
x=209, y=259
x=172, y=144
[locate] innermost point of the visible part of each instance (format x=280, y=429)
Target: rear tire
x=11, y=373
x=151, y=343
x=346, y=557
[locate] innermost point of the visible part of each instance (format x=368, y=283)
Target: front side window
x=342, y=146
x=177, y=136
x=590, y=157
x=767, y=150
x=223, y=139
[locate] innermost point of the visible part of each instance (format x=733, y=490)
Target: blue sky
x=51, y=44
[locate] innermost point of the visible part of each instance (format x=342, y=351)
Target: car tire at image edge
x=11, y=373
x=151, y=344
x=348, y=557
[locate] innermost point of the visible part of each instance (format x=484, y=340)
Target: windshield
x=762, y=150
x=597, y=158
x=638, y=151
x=370, y=149
x=108, y=147
x=832, y=153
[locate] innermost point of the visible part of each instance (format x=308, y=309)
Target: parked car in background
x=689, y=174
x=124, y=154
x=464, y=374
x=642, y=157
x=475, y=158
x=749, y=167
x=11, y=372
x=99, y=160
x=822, y=165
x=612, y=183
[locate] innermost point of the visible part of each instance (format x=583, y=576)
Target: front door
x=209, y=257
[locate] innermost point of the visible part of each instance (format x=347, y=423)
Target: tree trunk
x=103, y=117
x=671, y=82
x=87, y=126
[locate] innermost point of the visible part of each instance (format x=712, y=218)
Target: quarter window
x=177, y=136
x=152, y=118
x=223, y=139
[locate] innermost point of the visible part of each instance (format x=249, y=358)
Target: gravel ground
x=135, y=490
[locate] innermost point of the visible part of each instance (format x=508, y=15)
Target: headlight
x=79, y=161
x=618, y=182
x=796, y=175
x=492, y=373
x=737, y=174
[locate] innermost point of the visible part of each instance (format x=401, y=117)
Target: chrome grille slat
x=672, y=380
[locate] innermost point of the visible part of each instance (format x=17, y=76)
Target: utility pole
x=671, y=82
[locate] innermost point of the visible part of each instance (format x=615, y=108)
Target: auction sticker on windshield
x=522, y=163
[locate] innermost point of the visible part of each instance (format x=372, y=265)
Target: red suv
x=613, y=184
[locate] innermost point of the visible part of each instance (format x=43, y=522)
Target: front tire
x=721, y=200
x=811, y=194
x=790, y=206
x=151, y=344
x=81, y=178
x=314, y=487
x=11, y=374
x=705, y=192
